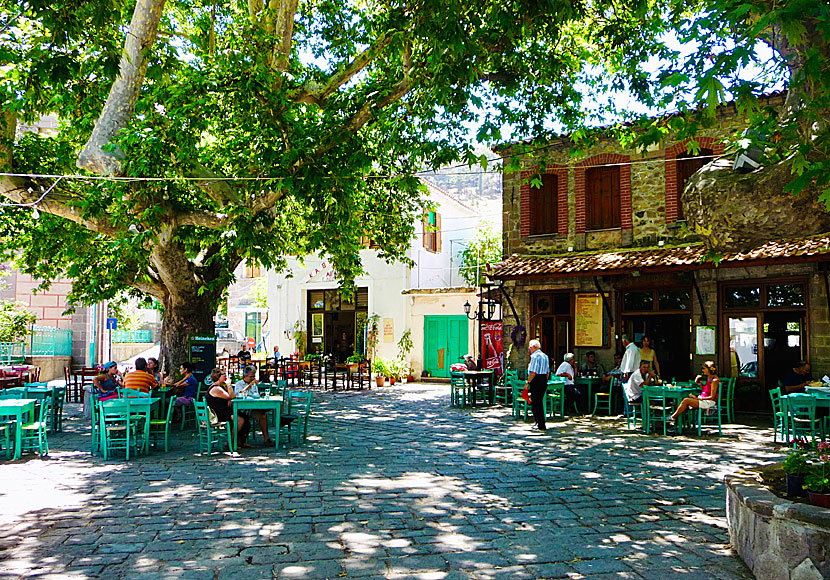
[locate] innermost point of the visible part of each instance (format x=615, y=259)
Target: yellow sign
x=388, y=330
x=588, y=327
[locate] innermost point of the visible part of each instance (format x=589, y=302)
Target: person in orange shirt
x=140, y=379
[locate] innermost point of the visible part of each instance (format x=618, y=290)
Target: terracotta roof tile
x=624, y=260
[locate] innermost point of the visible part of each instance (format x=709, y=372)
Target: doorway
x=445, y=342
x=671, y=339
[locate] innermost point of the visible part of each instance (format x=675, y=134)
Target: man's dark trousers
x=538, y=388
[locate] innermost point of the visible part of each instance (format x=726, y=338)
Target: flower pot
x=795, y=485
x=820, y=499
x=380, y=381
x=391, y=381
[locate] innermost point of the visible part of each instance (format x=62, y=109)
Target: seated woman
x=105, y=385
x=710, y=383
x=220, y=399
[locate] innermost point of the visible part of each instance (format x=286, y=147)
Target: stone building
x=597, y=246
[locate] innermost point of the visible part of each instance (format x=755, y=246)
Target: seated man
x=797, y=378
x=247, y=389
x=591, y=368
x=189, y=386
x=634, y=386
x=244, y=355
x=566, y=369
x=140, y=379
x=614, y=373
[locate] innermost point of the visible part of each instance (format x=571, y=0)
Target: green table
x=668, y=392
x=17, y=408
x=821, y=396
x=589, y=382
x=475, y=378
x=270, y=403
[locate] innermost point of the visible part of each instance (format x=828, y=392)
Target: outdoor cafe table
x=475, y=379
x=140, y=406
x=17, y=408
x=268, y=403
x=589, y=382
x=672, y=393
x=820, y=394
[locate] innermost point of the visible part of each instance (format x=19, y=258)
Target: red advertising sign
x=491, y=346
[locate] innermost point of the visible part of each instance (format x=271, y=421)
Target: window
x=432, y=231
x=602, y=198
x=785, y=295
x=742, y=296
x=688, y=165
x=638, y=301
x=543, y=206
x=252, y=269
x=672, y=300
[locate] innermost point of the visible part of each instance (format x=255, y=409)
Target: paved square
x=391, y=484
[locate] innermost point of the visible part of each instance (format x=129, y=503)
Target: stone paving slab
x=391, y=484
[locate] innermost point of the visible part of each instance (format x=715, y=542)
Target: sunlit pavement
x=391, y=484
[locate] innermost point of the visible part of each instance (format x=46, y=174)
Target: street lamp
x=480, y=314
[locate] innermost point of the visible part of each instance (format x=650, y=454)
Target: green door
x=445, y=341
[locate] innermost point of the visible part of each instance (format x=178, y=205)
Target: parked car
x=750, y=369
x=229, y=340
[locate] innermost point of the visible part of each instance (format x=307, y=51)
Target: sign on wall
x=705, y=339
x=388, y=330
x=589, y=325
x=492, y=346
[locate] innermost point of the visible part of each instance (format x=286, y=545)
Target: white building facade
x=426, y=299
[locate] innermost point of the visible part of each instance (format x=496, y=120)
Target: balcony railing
x=48, y=341
x=132, y=336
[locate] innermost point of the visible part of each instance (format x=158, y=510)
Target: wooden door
x=445, y=342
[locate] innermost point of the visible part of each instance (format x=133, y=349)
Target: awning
x=657, y=259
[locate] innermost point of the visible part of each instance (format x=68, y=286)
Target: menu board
x=201, y=353
x=705, y=339
x=388, y=330
x=588, y=324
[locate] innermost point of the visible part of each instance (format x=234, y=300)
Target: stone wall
x=51, y=367
x=776, y=538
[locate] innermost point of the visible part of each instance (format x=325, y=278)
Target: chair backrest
x=457, y=378
x=511, y=375
x=114, y=409
x=775, y=398
x=36, y=385
x=134, y=394
x=801, y=406
x=202, y=417
x=6, y=395
x=299, y=402
x=555, y=379
x=45, y=403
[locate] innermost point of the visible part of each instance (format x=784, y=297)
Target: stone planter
x=778, y=539
x=820, y=500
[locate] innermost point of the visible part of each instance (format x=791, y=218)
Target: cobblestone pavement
x=391, y=484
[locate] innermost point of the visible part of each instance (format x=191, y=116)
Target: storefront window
x=742, y=296
x=638, y=301
x=743, y=347
x=785, y=295
x=674, y=300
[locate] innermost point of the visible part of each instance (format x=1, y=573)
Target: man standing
x=631, y=358
x=537, y=381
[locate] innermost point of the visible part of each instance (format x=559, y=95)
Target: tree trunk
x=181, y=320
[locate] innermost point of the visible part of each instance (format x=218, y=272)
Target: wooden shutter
x=544, y=206
x=438, y=232
x=602, y=198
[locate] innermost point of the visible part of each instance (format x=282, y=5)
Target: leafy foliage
x=483, y=249
x=15, y=321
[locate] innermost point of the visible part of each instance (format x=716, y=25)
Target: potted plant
x=797, y=466
x=405, y=346
x=817, y=480
x=381, y=368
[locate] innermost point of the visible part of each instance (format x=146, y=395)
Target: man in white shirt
x=634, y=386
x=631, y=358
x=537, y=381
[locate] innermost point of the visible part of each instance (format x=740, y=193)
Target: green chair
x=33, y=435
x=728, y=409
x=631, y=420
x=458, y=390
x=779, y=415
x=299, y=408
x=711, y=415
x=133, y=394
x=656, y=408
x=116, y=428
x=5, y=439
x=519, y=404
x=210, y=434
x=503, y=393
x=554, y=398
x=602, y=401
x=160, y=428
x=801, y=416
x=15, y=393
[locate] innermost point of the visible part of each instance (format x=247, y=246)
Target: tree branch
x=120, y=104
x=279, y=22
x=219, y=190
x=203, y=219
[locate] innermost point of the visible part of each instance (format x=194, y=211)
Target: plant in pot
x=405, y=346
x=381, y=368
x=817, y=480
x=797, y=466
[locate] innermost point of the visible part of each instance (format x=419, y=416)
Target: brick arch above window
x=678, y=150
x=526, y=201
x=580, y=187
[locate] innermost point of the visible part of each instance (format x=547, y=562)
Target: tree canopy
x=195, y=134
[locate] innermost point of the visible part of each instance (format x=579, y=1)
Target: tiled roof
x=653, y=259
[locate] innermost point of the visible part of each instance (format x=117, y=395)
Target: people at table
x=106, y=384
x=140, y=379
x=797, y=378
x=647, y=353
x=567, y=371
x=614, y=373
x=537, y=381
x=591, y=368
x=277, y=355
x=220, y=398
x=246, y=388
x=634, y=385
x=631, y=358
x=710, y=384
x=189, y=386
x=154, y=368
